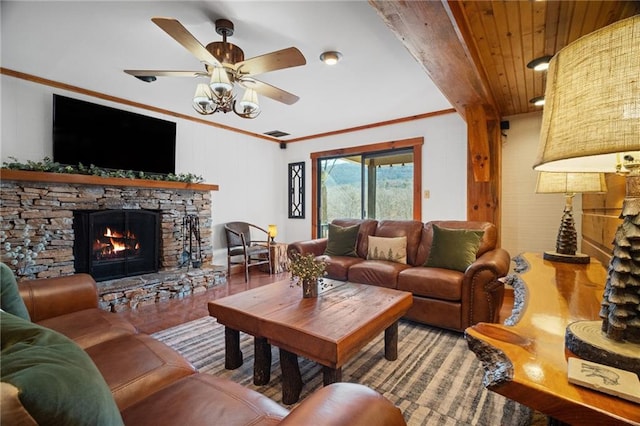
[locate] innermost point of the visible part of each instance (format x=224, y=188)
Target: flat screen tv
x=87, y=133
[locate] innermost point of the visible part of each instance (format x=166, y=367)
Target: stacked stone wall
x=34, y=212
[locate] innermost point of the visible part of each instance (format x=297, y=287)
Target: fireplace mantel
x=48, y=177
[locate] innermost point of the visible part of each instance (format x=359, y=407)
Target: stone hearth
x=43, y=203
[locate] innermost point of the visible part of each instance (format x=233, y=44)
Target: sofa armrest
x=51, y=297
x=347, y=404
x=483, y=292
x=316, y=247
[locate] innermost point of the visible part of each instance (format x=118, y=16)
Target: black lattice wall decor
x=296, y=190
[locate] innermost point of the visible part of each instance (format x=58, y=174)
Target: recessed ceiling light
x=537, y=101
x=330, y=57
x=540, y=64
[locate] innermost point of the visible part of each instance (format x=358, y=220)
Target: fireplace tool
x=191, y=249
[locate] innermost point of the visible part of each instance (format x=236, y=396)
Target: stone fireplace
x=62, y=209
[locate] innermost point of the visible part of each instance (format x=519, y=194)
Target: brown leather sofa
x=153, y=385
x=441, y=297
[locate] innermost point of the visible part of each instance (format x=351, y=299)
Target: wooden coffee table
x=329, y=329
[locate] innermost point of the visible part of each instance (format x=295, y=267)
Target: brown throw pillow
x=342, y=240
x=454, y=248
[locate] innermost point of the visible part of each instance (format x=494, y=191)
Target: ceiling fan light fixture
x=202, y=101
x=202, y=95
x=331, y=57
x=249, y=102
x=220, y=83
x=225, y=65
x=540, y=64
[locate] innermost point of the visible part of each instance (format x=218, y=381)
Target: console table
x=525, y=358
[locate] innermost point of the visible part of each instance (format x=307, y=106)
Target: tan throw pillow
x=393, y=249
x=454, y=248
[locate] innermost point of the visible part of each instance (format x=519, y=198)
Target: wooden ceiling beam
x=436, y=34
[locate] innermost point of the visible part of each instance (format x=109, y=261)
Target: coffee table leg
x=291, y=378
x=331, y=375
x=391, y=342
x=233, y=355
x=262, y=361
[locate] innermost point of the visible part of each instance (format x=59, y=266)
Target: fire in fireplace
x=113, y=244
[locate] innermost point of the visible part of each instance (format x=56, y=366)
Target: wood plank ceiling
x=477, y=51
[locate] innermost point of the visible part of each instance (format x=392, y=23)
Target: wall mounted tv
x=87, y=133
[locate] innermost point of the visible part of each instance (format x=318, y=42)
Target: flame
x=111, y=234
x=114, y=242
x=117, y=246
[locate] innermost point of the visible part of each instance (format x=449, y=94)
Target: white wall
x=251, y=172
x=530, y=221
x=444, y=165
x=246, y=169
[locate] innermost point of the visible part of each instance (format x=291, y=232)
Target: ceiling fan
x=225, y=65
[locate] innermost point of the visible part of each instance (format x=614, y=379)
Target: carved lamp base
x=554, y=256
x=586, y=340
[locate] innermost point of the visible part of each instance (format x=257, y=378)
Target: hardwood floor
x=160, y=316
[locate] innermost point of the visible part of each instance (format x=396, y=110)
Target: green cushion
x=454, y=248
x=342, y=240
x=10, y=300
x=58, y=382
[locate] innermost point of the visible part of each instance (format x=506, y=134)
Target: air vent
x=276, y=133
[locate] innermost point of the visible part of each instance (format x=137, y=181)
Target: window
x=380, y=181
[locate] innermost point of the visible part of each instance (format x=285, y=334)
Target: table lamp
x=273, y=232
x=591, y=123
x=569, y=184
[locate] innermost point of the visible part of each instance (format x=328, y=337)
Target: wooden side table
x=279, y=258
x=525, y=359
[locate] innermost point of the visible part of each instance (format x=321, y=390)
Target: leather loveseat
x=442, y=296
x=65, y=361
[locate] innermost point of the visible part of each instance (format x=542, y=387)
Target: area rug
x=436, y=379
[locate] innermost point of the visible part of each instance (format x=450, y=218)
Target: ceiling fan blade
x=270, y=91
x=180, y=34
x=160, y=73
x=280, y=59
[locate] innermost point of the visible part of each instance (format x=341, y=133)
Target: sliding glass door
x=376, y=185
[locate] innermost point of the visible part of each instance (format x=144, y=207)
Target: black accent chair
x=245, y=251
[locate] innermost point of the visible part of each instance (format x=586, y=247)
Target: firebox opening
x=113, y=244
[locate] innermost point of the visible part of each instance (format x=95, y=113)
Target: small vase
x=309, y=288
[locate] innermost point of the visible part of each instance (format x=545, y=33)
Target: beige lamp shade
x=220, y=84
x=570, y=183
x=592, y=102
x=249, y=102
x=202, y=95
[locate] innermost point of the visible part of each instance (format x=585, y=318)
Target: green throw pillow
x=58, y=382
x=342, y=240
x=10, y=300
x=454, y=248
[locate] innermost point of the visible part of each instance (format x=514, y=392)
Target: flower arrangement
x=22, y=255
x=306, y=267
